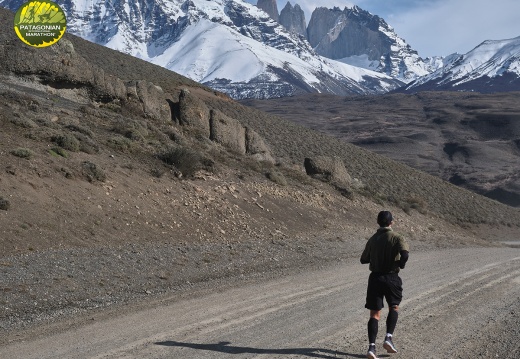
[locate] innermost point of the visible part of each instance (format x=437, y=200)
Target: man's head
x=384, y=219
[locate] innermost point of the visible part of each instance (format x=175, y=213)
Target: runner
x=386, y=252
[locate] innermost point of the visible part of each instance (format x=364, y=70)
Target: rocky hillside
x=152, y=116
x=468, y=139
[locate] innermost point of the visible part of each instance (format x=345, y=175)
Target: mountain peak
x=270, y=7
x=293, y=19
x=355, y=36
x=495, y=62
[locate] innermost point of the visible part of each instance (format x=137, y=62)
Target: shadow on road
x=225, y=347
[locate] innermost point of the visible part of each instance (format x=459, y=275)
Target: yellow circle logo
x=40, y=23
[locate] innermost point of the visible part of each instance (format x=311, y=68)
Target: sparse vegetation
x=58, y=152
x=186, y=160
x=120, y=143
x=67, y=142
x=93, y=172
x=23, y=122
x=22, y=153
x=277, y=177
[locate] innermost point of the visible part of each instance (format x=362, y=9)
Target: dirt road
x=458, y=303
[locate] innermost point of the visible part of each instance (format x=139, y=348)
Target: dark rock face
x=330, y=169
x=228, y=132
x=194, y=113
x=336, y=33
x=293, y=18
x=270, y=7
x=359, y=38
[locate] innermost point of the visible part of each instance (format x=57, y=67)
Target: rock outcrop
x=193, y=112
x=270, y=7
x=357, y=37
x=228, y=132
x=337, y=34
x=60, y=67
x=220, y=128
x=329, y=169
x=293, y=19
x=256, y=146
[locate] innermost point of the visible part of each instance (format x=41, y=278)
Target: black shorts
x=381, y=285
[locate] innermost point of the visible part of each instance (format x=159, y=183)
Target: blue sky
x=436, y=27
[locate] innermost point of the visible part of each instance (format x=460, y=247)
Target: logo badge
x=40, y=23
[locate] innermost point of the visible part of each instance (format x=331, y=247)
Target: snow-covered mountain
x=492, y=66
x=229, y=45
x=357, y=37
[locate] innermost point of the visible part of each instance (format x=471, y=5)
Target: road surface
x=458, y=303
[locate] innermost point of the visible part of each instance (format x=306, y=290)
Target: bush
x=186, y=160
x=58, y=151
x=80, y=129
x=67, y=142
x=277, y=178
x=4, y=204
x=92, y=172
x=24, y=122
x=22, y=153
x=417, y=203
x=131, y=129
x=120, y=143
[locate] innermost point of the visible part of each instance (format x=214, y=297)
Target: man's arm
x=403, y=259
x=365, y=256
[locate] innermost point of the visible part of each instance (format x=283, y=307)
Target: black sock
x=372, y=330
x=391, y=321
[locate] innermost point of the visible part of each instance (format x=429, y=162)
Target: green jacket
x=383, y=250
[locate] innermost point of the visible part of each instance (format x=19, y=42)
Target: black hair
x=384, y=218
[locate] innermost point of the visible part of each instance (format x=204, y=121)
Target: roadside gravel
x=39, y=287
x=42, y=287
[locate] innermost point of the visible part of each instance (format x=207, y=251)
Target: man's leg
x=373, y=324
x=391, y=322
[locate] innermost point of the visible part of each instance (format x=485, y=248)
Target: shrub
x=80, y=129
x=4, y=204
x=24, y=122
x=186, y=160
x=414, y=202
x=92, y=172
x=131, y=129
x=277, y=178
x=120, y=143
x=67, y=142
x=87, y=144
x=22, y=153
x=58, y=151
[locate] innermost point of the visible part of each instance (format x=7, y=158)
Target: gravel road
x=459, y=303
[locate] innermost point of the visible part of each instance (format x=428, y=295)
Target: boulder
x=330, y=169
x=194, y=113
x=256, y=146
x=153, y=99
x=227, y=131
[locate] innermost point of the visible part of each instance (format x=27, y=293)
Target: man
x=387, y=253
